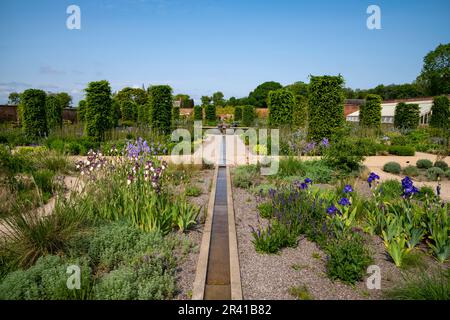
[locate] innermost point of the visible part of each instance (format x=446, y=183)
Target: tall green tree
x=198, y=113
x=160, y=107
x=99, y=111
x=440, y=112
x=64, y=99
x=205, y=101
x=248, y=115
x=14, y=98
x=81, y=110
x=258, y=97
x=435, y=75
x=34, y=116
x=326, y=106
x=370, y=112
x=217, y=99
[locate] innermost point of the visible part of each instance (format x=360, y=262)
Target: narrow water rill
x=218, y=284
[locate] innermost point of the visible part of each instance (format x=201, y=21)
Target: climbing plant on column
x=33, y=113
x=160, y=108
x=99, y=112
x=281, y=104
x=325, y=106
x=370, y=112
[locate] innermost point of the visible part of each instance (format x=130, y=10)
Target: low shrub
x=392, y=167
x=273, y=238
x=391, y=189
x=422, y=286
x=265, y=210
x=426, y=192
x=193, y=191
x=447, y=173
x=263, y=189
x=46, y=280
x=244, y=176
x=347, y=261
x=402, y=150
x=411, y=171
x=441, y=164
x=434, y=173
x=424, y=164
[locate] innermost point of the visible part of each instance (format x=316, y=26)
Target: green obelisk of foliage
x=406, y=116
x=198, y=113
x=237, y=113
x=281, y=104
x=326, y=106
x=440, y=113
x=160, y=108
x=248, y=115
x=34, y=116
x=54, y=108
x=370, y=112
x=99, y=113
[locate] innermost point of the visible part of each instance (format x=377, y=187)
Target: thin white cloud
x=50, y=70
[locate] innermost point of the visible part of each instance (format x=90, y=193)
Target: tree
x=406, y=116
x=65, y=99
x=258, y=97
x=99, y=112
x=232, y=102
x=217, y=99
x=54, y=110
x=298, y=88
x=281, y=105
x=198, y=113
x=440, y=113
x=370, y=112
x=184, y=100
x=128, y=110
x=248, y=115
x=137, y=95
x=14, y=98
x=435, y=75
x=34, y=114
x=205, y=101
x=175, y=115
x=160, y=107
x=326, y=106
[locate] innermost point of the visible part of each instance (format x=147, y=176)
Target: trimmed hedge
x=392, y=167
x=281, y=104
x=370, y=112
x=402, y=150
x=248, y=115
x=175, y=115
x=434, y=173
x=326, y=106
x=99, y=109
x=160, y=107
x=198, y=113
x=441, y=164
x=33, y=112
x=237, y=113
x=407, y=116
x=440, y=116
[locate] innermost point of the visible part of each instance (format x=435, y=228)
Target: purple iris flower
x=372, y=177
x=308, y=180
x=438, y=190
x=332, y=209
x=303, y=186
x=348, y=188
x=344, y=202
x=325, y=142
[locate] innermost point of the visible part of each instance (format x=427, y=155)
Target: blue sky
x=202, y=46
